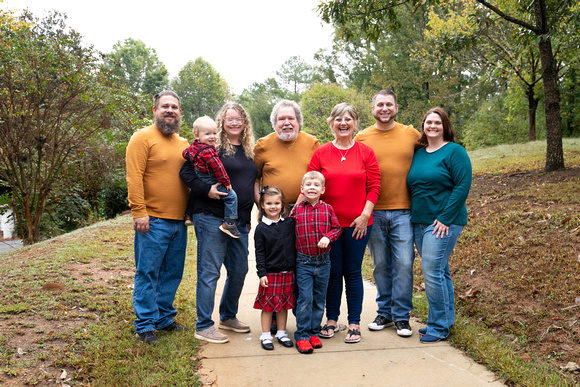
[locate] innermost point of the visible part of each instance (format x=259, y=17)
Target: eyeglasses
x=236, y=120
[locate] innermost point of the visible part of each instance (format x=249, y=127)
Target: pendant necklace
x=343, y=155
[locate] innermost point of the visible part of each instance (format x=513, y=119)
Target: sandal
x=352, y=332
x=330, y=329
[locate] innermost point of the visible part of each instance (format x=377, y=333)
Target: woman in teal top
x=439, y=181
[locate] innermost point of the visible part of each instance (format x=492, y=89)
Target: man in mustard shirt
x=158, y=199
x=391, y=239
x=282, y=157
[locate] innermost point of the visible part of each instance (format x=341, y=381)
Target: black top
x=275, y=247
x=242, y=172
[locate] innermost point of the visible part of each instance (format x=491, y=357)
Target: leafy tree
x=54, y=100
x=202, y=90
x=538, y=18
x=296, y=73
x=137, y=66
x=258, y=100
x=317, y=103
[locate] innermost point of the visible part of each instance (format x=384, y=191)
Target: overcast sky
x=245, y=41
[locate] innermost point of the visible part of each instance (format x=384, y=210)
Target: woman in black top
x=214, y=248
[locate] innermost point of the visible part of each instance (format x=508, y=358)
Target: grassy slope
x=83, y=334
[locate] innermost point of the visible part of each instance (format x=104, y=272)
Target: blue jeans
x=392, y=253
x=230, y=201
x=215, y=248
x=346, y=256
x=159, y=261
x=435, y=254
x=312, y=280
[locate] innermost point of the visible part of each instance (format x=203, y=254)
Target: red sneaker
x=303, y=346
x=315, y=342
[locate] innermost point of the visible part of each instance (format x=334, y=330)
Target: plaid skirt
x=278, y=295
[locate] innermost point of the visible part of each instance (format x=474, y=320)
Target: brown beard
x=168, y=129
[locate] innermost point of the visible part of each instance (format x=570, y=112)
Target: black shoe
x=174, y=327
x=273, y=327
x=148, y=337
x=403, y=328
x=380, y=323
x=285, y=341
x=267, y=344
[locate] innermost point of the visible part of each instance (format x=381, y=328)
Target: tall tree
x=541, y=19
x=53, y=100
x=493, y=44
x=296, y=73
x=137, y=66
x=317, y=103
x=202, y=90
x=258, y=100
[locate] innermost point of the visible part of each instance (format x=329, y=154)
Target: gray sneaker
x=233, y=324
x=231, y=229
x=211, y=335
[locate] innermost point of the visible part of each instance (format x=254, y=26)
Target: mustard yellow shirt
x=283, y=164
x=394, y=149
x=153, y=164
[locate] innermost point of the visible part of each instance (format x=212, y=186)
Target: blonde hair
x=314, y=175
x=246, y=136
x=203, y=122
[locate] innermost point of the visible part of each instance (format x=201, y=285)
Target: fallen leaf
x=20, y=351
x=472, y=271
x=525, y=357
x=566, y=347
x=63, y=375
x=571, y=367
x=566, y=219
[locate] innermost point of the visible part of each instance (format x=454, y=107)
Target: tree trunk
x=554, y=151
x=532, y=108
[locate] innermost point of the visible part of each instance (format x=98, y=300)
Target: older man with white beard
x=282, y=157
x=158, y=198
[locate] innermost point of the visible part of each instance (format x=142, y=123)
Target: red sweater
x=349, y=183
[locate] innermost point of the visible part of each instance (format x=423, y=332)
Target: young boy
x=209, y=168
x=316, y=227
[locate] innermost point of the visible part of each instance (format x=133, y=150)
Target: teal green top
x=439, y=183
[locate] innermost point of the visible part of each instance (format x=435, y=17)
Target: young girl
x=275, y=260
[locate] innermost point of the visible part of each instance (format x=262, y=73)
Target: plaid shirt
x=206, y=161
x=313, y=223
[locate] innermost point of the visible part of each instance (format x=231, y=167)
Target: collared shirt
x=268, y=221
x=207, y=160
x=313, y=223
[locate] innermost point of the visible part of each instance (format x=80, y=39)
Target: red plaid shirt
x=313, y=223
x=207, y=161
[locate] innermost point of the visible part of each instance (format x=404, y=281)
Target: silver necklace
x=343, y=155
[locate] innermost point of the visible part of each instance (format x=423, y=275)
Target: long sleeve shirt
x=275, y=246
x=205, y=159
x=394, y=149
x=283, y=163
x=350, y=182
x=439, y=184
x=153, y=163
x=313, y=223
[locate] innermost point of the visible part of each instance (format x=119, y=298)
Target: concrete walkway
x=380, y=358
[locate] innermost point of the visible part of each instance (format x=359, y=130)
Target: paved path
x=381, y=358
x=10, y=245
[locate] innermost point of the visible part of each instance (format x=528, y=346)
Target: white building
x=6, y=223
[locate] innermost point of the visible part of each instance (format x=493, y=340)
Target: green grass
x=516, y=158
x=87, y=329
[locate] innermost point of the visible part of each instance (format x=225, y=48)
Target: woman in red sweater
x=353, y=183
